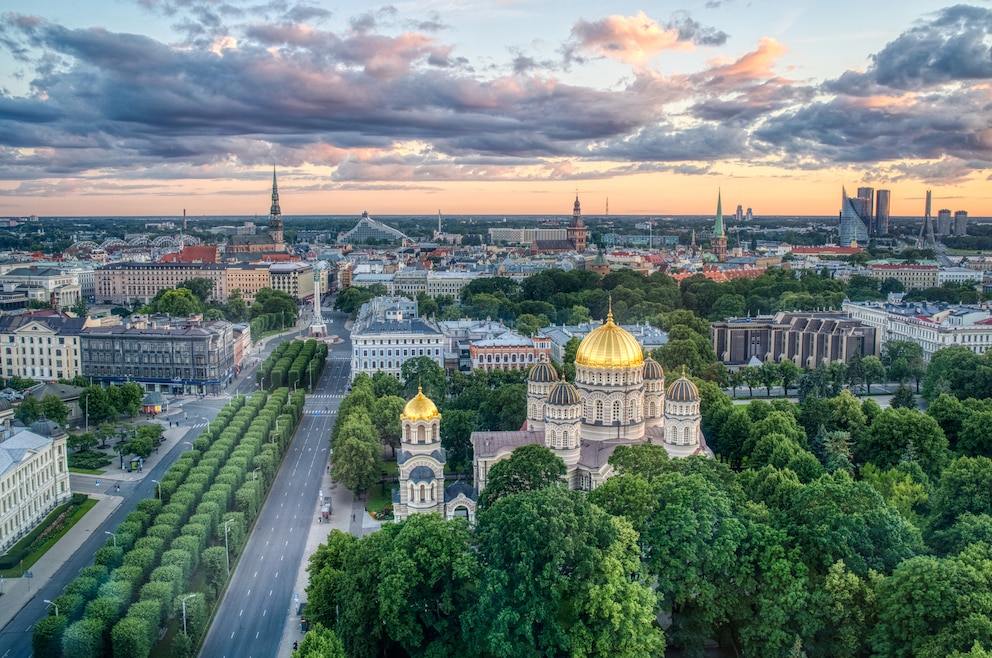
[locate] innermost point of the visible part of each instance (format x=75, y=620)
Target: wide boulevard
x=260, y=597
x=15, y=637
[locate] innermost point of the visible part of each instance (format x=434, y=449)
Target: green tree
x=427, y=581
x=903, y=398
x=457, y=426
x=769, y=375
x=504, y=409
x=384, y=384
x=356, y=463
x=928, y=608
x=528, y=468
x=28, y=411
x=201, y=287
x=272, y=301
x=872, y=371
x=140, y=445
x=949, y=413
x=898, y=434
x=386, y=418
x=82, y=441
x=129, y=398
x=79, y=308
x=789, y=374
x=55, y=409
x=95, y=404
x=574, y=590
x=320, y=642
x=965, y=486
x=974, y=439
x=423, y=372
x=179, y=303
x=235, y=309
x=644, y=459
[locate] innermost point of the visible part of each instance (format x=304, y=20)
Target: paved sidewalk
x=347, y=515
x=18, y=591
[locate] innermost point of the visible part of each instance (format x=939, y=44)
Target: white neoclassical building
x=34, y=477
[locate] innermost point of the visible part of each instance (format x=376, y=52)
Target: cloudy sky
x=149, y=107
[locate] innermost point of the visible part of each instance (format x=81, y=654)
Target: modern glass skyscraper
x=882, y=212
x=855, y=220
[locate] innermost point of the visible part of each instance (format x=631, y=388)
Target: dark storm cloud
x=908, y=104
x=695, y=32
x=255, y=83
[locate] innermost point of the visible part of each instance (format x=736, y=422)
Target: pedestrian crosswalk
x=319, y=412
x=327, y=396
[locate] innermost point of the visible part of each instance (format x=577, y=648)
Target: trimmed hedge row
x=117, y=606
x=292, y=364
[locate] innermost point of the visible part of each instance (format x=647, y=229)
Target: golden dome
x=609, y=346
x=420, y=408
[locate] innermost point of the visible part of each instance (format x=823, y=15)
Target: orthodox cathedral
x=618, y=398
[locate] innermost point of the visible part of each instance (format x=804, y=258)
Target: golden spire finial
x=683, y=371
x=609, y=314
x=420, y=389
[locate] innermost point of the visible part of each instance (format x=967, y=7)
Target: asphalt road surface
x=251, y=618
x=15, y=637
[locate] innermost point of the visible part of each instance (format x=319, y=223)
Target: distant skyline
x=495, y=107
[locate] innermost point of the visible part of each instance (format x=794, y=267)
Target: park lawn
x=390, y=469
x=85, y=471
x=380, y=497
x=34, y=556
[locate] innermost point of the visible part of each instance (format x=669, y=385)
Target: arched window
x=433, y=498
x=652, y=409
x=599, y=410
x=632, y=411
x=408, y=433
x=421, y=435
x=687, y=436
x=410, y=497
x=617, y=410
x=423, y=493
x=564, y=440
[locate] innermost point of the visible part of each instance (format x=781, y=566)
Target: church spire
x=274, y=210
x=718, y=227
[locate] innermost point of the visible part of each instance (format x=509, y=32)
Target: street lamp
x=107, y=532
x=227, y=551
x=159, y=488
x=184, y=599
x=52, y=603
x=253, y=476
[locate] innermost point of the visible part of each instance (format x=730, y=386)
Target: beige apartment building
x=294, y=279
x=912, y=276
x=249, y=278
x=43, y=347
x=123, y=283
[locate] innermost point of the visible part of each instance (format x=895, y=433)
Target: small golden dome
x=609, y=346
x=683, y=390
x=420, y=408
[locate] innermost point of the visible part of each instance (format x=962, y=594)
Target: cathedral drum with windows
x=421, y=462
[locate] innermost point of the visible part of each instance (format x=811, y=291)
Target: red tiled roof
x=836, y=251
x=201, y=254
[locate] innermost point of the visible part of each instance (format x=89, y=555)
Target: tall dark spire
x=274, y=210
x=275, y=214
